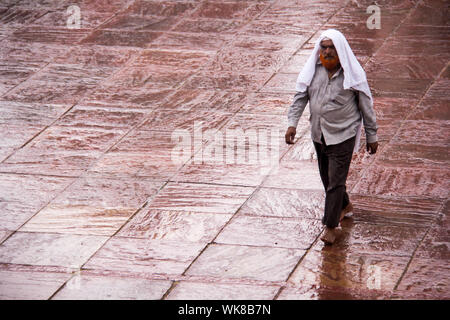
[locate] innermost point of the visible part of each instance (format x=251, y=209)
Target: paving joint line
x=81, y=268
x=416, y=248
x=212, y=241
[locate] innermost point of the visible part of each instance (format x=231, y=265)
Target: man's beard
x=329, y=64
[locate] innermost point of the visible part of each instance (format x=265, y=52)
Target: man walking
x=340, y=101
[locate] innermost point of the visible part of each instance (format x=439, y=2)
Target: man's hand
x=372, y=147
x=290, y=135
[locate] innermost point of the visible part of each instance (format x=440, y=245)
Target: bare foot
x=329, y=236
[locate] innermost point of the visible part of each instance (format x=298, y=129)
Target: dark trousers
x=334, y=163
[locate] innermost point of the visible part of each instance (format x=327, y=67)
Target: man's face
x=328, y=54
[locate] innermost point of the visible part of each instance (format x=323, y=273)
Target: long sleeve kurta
x=335, y=112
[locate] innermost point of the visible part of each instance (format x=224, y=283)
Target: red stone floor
x=116, y=175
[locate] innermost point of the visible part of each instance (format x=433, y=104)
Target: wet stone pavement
x=121, y=176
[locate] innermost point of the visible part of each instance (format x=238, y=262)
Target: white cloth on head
x=354, y=74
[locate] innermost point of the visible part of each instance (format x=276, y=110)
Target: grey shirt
x=335, y=112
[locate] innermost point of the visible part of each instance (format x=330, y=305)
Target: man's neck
x=333, y=71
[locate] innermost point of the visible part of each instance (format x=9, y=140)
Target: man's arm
x=294, y=114
x=370, y=122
